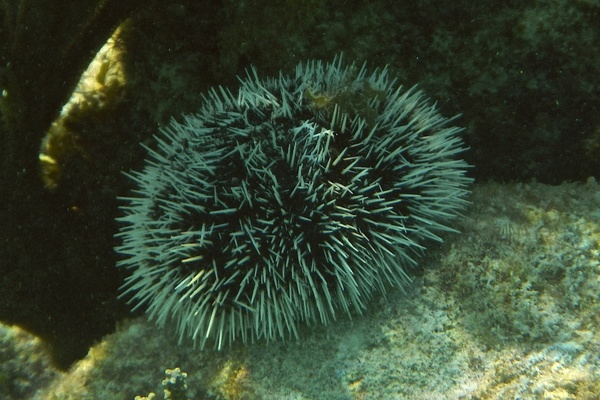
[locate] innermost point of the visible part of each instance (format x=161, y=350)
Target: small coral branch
x=175, y=386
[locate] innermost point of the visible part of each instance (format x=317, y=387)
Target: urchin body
x=291, y=203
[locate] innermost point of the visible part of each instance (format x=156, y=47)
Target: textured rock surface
x=507, y=309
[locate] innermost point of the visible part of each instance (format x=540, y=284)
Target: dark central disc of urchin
x=290, y=203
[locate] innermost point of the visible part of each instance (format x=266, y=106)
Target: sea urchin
x=291, y=202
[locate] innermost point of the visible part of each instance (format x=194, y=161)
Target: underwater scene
x=299, y=200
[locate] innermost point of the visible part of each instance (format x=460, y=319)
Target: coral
x=270, y=207
x=175, y=386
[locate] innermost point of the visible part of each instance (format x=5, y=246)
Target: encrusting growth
x=291, y=202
